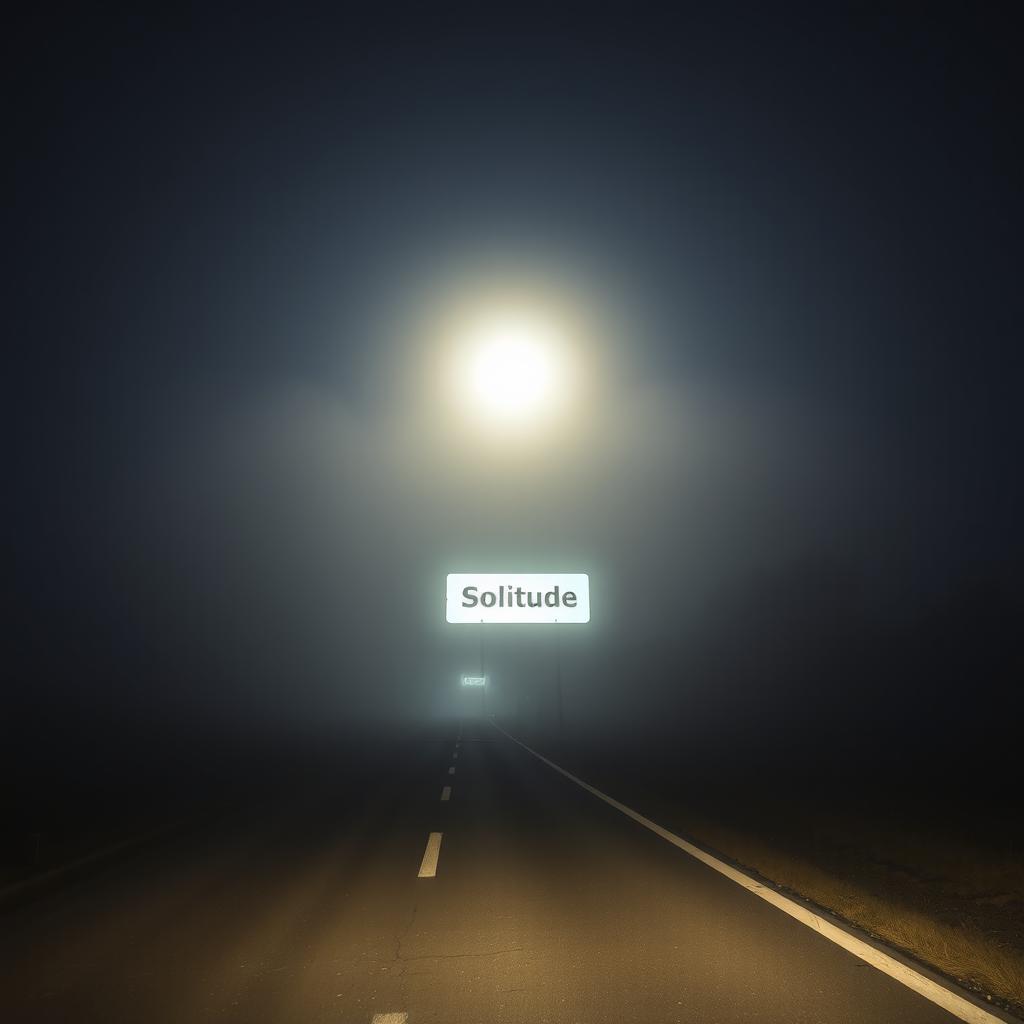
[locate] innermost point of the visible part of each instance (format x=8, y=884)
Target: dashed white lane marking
x=390, y=1018
x=451, y=770
x=896, y=969
x=455, y=756
x=428, y=866
x=446, y=793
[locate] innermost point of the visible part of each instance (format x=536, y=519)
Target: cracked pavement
x=547, y=906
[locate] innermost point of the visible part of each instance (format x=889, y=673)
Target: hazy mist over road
x=767, y=267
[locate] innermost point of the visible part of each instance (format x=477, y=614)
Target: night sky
x=233, y=494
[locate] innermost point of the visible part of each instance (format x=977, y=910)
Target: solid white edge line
x=901, y=972
x=428, y=866
x=446, y=793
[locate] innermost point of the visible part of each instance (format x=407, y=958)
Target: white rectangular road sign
x=474, y=680
x=517, y=597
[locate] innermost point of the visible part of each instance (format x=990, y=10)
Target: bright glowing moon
x=510, y=369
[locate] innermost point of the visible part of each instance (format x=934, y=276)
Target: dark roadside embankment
x=864, y=759
x=938, y=875
x=106, y=797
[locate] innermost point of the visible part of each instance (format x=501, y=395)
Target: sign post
x=478, y=598
x=558, y=679
x=478, y=682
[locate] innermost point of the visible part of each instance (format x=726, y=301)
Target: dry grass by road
x=933, y=885
x=944, y=903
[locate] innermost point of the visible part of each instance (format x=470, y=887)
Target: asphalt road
x=547, y=905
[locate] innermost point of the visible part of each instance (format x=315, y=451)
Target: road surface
x=545, y=904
